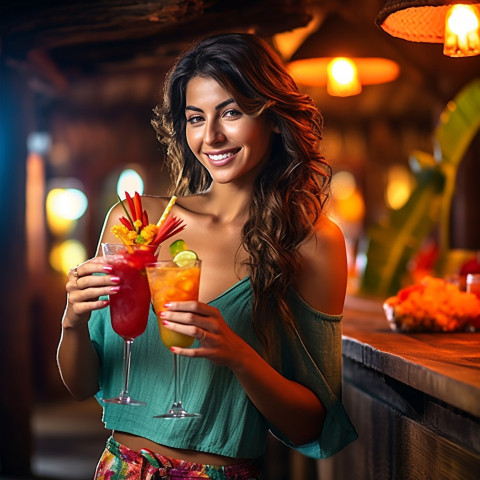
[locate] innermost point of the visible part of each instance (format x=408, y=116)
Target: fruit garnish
x=135, y=228
x=177, y=246
x=185, y=258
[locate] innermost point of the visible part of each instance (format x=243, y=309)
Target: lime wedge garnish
x=185, y=258
x=177, y=246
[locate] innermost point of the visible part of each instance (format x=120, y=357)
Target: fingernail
x=162, y=313
x=107, y=268
x=114, y=289
x=115, y=279
x=167, y=305
x=164, y=322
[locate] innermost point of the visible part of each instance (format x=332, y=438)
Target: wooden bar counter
x=413, y=398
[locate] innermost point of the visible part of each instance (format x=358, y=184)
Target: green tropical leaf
x=393, y=242
x=459, y=123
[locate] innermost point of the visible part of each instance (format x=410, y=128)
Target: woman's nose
x=213, y=134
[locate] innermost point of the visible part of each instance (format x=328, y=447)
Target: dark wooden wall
x=403, y=434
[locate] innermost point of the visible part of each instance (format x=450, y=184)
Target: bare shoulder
x=323, y=279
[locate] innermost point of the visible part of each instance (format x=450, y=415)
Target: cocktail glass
x=172, y=283
x=129, y=307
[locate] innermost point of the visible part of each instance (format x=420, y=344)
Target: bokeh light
x=64, y=206
x=399, y=186
x=67, y=254
x=343, y=184
x=38, y=142
x=129, y=181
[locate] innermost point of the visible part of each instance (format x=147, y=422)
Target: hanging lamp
x=456, y=24
x=339, y=47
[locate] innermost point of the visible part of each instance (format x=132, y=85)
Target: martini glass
x=130, y=306
x=172, y=283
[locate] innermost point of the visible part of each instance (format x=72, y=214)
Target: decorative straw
x=167, y=210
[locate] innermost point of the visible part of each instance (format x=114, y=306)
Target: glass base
x=123, y=401
x=178, y=412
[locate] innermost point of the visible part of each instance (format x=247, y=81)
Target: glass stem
x=127, y=353
x=176, y=372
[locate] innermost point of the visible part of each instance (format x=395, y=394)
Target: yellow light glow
x=343, y=185
x=399, y=186
x=68, y=203
x=462, y=32
x=462, y=19
x=288, y=42
x=342, y=78
x=64, y=206
x=65, y=255
x=352, y=208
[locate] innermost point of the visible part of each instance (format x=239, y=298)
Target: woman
x=243, y=148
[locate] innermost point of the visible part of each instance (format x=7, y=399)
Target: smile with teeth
x=221, y=156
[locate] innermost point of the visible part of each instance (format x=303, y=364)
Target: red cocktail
x=129, y=307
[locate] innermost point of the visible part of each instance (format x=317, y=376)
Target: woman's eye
x=194, y=119
x=232, y=113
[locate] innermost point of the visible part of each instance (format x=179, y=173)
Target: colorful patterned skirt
x=120, y=463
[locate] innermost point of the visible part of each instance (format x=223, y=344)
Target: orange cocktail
x=172, y=283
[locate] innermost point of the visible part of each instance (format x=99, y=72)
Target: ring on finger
x=74, y=272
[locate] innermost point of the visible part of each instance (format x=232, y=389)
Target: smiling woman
x=251, y=185
x=226, y=141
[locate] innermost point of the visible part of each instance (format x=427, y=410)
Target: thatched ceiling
x=67, y=46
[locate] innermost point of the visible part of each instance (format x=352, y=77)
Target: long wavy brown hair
x=290, y=192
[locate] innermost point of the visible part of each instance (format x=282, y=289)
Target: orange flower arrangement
x=432, y=305
x=135, y=228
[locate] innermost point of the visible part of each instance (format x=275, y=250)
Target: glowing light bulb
x=462, y=20
x=342, y=78
x=462, y=32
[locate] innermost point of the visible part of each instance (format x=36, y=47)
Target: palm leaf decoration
x=392, y=243
x=459, y=123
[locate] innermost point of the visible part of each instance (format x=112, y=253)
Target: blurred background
x=79, y=80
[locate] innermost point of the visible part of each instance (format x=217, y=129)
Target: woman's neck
x=227, y=203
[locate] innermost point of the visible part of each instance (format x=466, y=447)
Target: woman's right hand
x=84, y=289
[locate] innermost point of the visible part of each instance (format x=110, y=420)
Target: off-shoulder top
x=230, y=425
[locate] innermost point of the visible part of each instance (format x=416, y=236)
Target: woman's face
x=232, y=145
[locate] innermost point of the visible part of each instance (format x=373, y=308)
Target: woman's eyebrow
x=218, y=107
x=224, y=104
x=195, y=109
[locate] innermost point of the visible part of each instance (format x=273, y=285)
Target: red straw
x=171, y=226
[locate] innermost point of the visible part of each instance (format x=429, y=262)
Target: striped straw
x=167, y=210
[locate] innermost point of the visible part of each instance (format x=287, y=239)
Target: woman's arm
x=323, y=280
x=291, y=407
x=76, y=357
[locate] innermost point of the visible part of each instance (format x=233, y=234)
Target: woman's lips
x=221, y=158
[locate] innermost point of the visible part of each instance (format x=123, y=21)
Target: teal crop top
x=231, y=425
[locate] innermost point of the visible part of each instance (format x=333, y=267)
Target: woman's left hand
x=291, y=407
x=218, y=342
